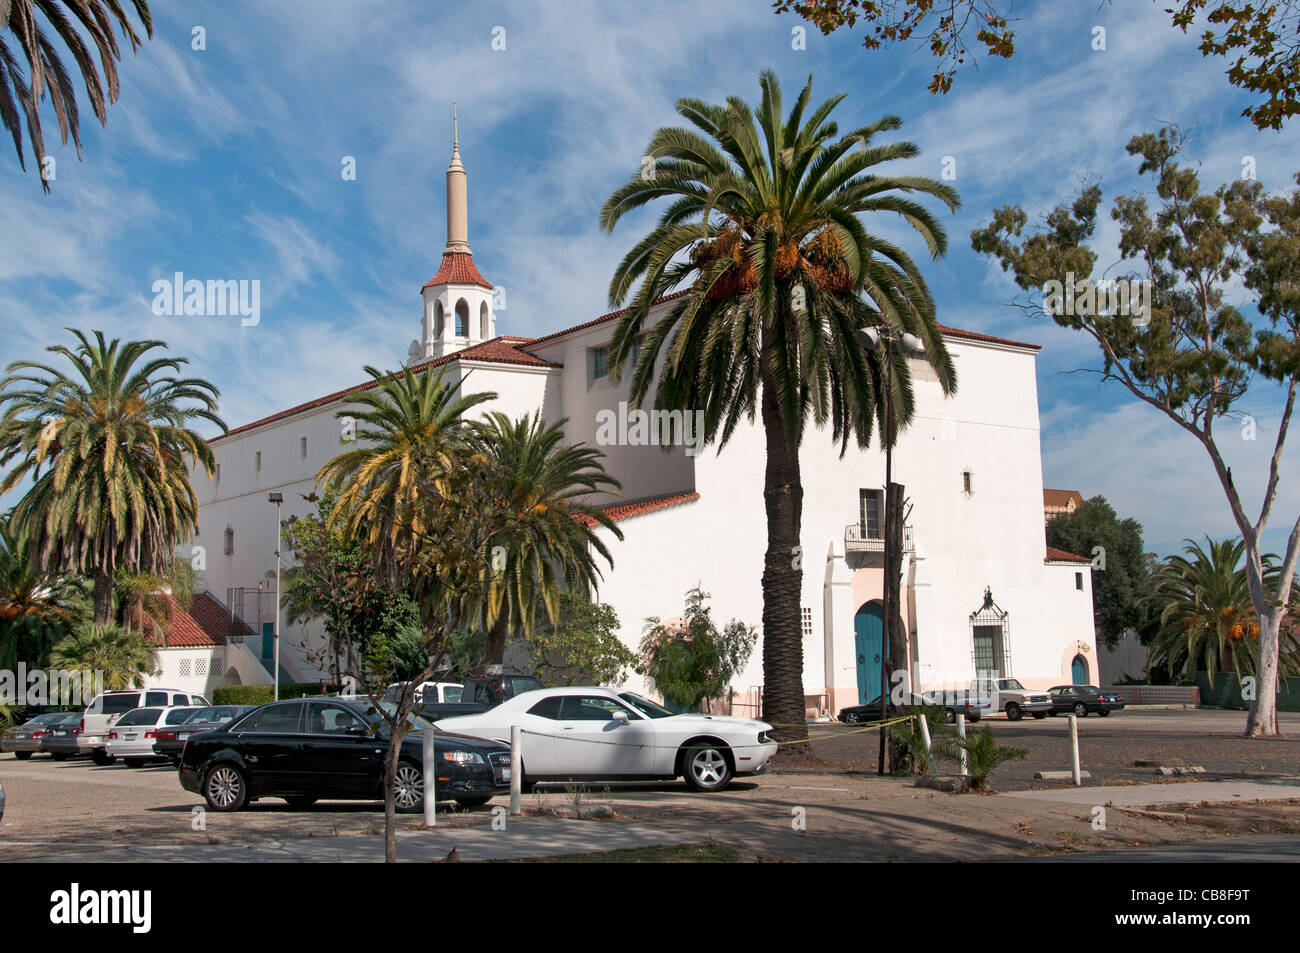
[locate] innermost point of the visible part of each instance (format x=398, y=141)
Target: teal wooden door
x=868, y=633
x=1079, y=669
x=268, y=641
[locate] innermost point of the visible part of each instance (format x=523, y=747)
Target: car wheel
x=101, y=757
x=950, y=716
x=707, y=768
x=852, y=718
x=1081, y=709
x=135, y=762
x=1013, y=712
x=226, y=788
x=300, y=803
x=478, y=800
x=22, y=755
x=408, y=789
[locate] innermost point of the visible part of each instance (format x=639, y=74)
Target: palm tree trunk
x=498, y=635
x=783, y=698
x=103, y=597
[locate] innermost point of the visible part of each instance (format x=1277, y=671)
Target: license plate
x=182, y=736
x=130, y=737
x=505, y=774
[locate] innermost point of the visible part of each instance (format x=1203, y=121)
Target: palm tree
x=764, y=228
x=408, y=426
x=1206, y=614
x=21, y=96
x=36, y=609
x=124, y=657
x=556, y=549
x=107, y=448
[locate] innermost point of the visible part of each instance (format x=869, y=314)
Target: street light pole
x=277, y=499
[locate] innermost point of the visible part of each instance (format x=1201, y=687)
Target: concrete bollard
x=430, y=773
x=925, y=733
x=1074, y=750
x=516, y=768
x=965, y=755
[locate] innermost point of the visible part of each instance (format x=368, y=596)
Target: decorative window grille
x=806, y=616
x=990, y=639
x=185, y=668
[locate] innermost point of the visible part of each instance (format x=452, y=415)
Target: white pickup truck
x=1008, y=695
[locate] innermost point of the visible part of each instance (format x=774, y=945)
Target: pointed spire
x=457, y=197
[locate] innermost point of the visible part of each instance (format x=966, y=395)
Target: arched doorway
x=1079, y=670
x=868, y=635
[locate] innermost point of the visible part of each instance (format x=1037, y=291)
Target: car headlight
x=462, y=757
x=764, y=737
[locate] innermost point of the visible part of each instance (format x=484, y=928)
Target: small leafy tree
x=582, y=647
x=689, y=659
x=1179, y=344
x=984, y=755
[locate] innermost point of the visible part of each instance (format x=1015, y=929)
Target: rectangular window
x=218, y=473
x=989, y=653
x=871, y=507
x=303, y=447
x=967, y=484
x=599, y=363
x=257, y=461
x=1078, y=581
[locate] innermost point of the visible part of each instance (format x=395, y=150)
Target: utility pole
x=277, y=499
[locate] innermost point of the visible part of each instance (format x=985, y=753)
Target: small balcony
x=857, y=539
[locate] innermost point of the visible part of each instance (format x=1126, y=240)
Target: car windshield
x=417, y=720
x=179, y=716
x=1012, y=683
x=120, y=702
x=645, y=706
x=200, y=715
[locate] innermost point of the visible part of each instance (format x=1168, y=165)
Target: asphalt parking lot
x=1108, y=747
x=74, y=807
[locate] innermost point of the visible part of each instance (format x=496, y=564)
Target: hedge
x=261, y=694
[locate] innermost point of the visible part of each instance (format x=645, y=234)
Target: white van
x=107, y=707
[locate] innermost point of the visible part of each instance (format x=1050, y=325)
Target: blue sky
x=226, y=163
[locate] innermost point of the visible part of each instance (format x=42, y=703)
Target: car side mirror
x=620, y=717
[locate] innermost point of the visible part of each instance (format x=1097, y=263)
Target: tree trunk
x=1262, y=719
x=103, y=597
x=498, y=635
x=390, y=808
x=783, y=696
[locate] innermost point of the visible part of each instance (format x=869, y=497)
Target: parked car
x=25, y=740
x=308, y=749
x=132, y=736
x=588, y=734
x=107, y=707
x=477, y=694
x=60, y=741
x=1082, y=699
x=952, y=703
x=169, y=741
x=1008, y=695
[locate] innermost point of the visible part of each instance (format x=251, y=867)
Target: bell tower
x=457, y=300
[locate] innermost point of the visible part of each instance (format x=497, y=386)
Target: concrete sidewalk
x=1155, y=795
x=524, y=837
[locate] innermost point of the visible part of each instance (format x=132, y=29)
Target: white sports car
x=586, y=734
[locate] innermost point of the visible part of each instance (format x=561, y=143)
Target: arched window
x=462, y=319
x=483, y=321
x=437, y=320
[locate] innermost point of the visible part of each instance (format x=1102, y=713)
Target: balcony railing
x=858, y=540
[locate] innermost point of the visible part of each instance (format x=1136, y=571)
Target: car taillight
x=151, y=734
x=112, y=736
x=82, y=727
x=38, y=734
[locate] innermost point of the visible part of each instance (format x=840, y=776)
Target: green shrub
x=984, y=754
x=907, y=754
x=261, y=694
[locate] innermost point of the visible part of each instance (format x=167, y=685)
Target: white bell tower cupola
x=457, y=300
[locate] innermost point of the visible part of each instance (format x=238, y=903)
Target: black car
x=333, y=748
x=1082, y=699
x=951, y=702
x=60, y=740
x=169, y=742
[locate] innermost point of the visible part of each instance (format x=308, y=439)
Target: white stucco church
x=982, y=590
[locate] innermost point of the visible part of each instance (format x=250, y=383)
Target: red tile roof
x=206, y=624
x=499, y=350
x=1062, y=498
x=985, y=338
x=457, y=269
x=623, y=511
x=1055, y=555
